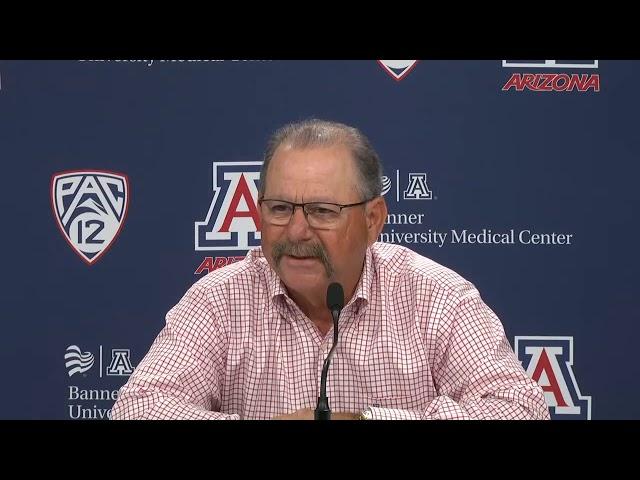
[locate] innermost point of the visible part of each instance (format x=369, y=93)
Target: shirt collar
x=363, y=289
x=277, y=290
x=275, y=287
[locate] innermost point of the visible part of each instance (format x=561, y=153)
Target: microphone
x=335, y=302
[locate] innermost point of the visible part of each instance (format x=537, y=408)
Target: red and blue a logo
x=233, y=220
x=548, y=361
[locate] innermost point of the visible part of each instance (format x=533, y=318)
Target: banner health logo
x=552, y=81
x=90, y=207
x=415, y=188
x=76, y=361
x=397, y=69
x=81, y=362
x=548, y=361
x=233, y=221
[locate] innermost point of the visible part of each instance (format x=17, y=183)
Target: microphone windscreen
x=335, y=296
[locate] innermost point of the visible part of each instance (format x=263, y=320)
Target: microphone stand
x=335, y=302
x=323, y=412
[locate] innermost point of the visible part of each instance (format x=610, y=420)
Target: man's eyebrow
x=320, y=200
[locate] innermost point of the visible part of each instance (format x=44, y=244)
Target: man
x=248, y=341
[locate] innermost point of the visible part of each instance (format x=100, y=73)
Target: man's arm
x=179, y=376
x=475, y=371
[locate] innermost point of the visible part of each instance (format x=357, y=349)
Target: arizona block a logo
x=233, y=220
x=549, y=362
x=90, y=207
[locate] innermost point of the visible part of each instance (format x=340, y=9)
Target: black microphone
x=335, y=302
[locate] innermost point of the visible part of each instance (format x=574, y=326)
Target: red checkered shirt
x=416, y=341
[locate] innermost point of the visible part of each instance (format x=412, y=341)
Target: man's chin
x=311, y=288
x=301, y=275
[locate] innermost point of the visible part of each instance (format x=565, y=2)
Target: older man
x=249, y=341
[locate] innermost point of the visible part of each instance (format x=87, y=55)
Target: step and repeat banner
x=125, y=181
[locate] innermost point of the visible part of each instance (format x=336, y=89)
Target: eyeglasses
x=321, y=215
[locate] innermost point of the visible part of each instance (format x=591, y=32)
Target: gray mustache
x=313, y=250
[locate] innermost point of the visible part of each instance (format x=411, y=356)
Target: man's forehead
x=316, y=157
x=316, y=173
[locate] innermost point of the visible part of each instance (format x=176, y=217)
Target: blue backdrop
x=126, y=181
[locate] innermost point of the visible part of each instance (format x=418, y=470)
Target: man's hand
x=307, y=414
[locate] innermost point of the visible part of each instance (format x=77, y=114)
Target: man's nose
x=298, y=227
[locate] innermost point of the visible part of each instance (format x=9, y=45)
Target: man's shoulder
x=400, y=261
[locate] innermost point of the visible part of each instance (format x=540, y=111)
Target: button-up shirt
x=416, y=341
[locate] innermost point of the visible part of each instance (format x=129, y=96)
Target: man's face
x=308, y=259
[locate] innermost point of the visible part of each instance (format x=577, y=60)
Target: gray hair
x=321, y=133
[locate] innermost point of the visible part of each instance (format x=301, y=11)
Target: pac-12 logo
x=233, y=221
x=90, y=207
x=548, y=361
x=397, y=69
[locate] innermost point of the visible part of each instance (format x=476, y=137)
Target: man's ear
x=376, y=216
